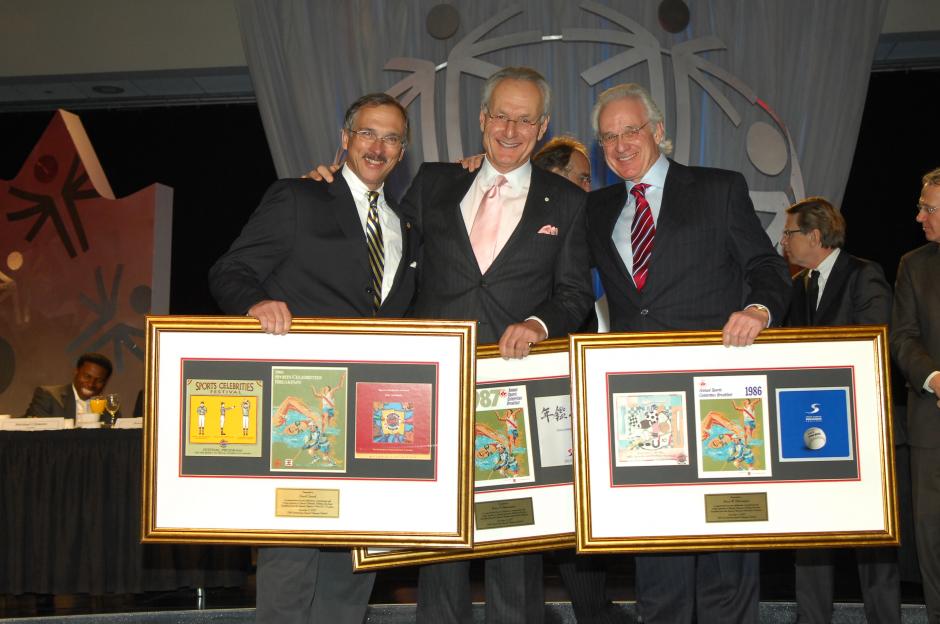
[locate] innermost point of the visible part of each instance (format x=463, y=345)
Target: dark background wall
x=216, y=159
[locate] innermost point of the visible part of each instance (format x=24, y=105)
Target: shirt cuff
x=927, y=381
x=761, y=306
x=540, y=322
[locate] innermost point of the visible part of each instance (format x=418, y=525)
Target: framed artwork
x=326, y=436
x=522, y=461
x=682, y=444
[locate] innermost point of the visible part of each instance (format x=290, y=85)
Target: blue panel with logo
x=814, y=424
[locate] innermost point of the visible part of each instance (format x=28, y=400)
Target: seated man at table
x=92, y=372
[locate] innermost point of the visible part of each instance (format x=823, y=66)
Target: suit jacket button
x=644, y=311
x=483, y=283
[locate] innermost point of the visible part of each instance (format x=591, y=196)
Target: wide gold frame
x=810, y=339
x=372, y=559
x=461, y=537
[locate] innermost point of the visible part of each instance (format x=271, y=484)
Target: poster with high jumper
x=502, y=444
x=308, y=422
x=732, y=419
x=393, y=420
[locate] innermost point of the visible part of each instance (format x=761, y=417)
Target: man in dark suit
x=92, y=371
x=681, y=248
x=835, y=288
x=339, y=249
x=526, y=281
x=915, y=344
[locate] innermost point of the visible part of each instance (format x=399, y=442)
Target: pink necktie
x=486, y=226
x=641, y=235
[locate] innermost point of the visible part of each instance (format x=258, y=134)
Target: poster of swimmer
x=308, y=418
x=732, y=426
x=502, y=445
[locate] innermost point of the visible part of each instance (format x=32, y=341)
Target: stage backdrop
x=79, y=268
x=772, y=88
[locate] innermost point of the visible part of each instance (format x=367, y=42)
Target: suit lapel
x=404, y=227
x=675, y=190
x=345, y=213
x=452, y=194
x=834, y=285
x=533, y=216
x=68, y=401
x=798, y=305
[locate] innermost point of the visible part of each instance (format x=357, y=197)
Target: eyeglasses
x=925, y=208
x=499, y=119
x=610, y=138
x=584, y=177
x=368, y=135
x=789, y=233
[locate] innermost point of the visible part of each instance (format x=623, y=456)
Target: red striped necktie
x=641, y=235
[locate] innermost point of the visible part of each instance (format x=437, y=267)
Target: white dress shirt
x=388, y=220
x=513, y=195
x=825, y=270
x=656, y=178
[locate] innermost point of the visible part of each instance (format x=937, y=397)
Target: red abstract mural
x=79, y=268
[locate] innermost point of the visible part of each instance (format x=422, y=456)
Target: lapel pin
x=546, y=199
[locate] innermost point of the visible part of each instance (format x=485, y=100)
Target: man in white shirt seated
x=92, y=372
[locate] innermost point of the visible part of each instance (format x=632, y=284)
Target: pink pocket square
x=551, y=230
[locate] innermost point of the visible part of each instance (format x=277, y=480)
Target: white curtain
x=737, y=79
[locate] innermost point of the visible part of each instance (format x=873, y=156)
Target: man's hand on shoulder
x=323, y=172
x=519, y=338
x=935, y=386
x=274, y=316
x=744, y=326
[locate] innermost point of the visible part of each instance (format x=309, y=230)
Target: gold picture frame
x=548, y=503
x=806, y=461
x=344, y=432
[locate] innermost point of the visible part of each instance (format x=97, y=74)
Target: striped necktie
x=641, y=235
x=376, y=249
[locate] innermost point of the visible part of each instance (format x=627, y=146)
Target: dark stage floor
x=399, y=586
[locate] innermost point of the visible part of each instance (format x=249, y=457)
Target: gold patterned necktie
x=376, y=249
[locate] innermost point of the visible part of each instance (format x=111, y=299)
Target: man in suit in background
x=92, y=371
x=681, y=248
x=339, y=249
x=504, y=245
x=835, y=288
x=915, y=345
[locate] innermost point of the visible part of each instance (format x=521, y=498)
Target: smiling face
x=629, y=157
x=510, y=144
x=930, y=197
x=89, y=380
x=372, y=160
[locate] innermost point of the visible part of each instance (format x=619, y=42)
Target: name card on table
x=35, y=424
x=129, y=423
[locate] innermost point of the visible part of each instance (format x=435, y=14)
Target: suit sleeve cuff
x=760, y=306
x=540, y=322
x=928, y=380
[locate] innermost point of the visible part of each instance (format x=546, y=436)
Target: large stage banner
x=79, y=268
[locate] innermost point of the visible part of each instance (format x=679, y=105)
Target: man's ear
x=344, y=139
x=543, y=128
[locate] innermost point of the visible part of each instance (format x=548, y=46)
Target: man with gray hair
x=915, y=345
x=504, y=245
x=680, y=248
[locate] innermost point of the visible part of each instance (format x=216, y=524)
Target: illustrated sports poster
x=221, y=417
x=393, y=420
x=502, y=449
x=308, y=422
x=650, y=429
x=732, y=421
